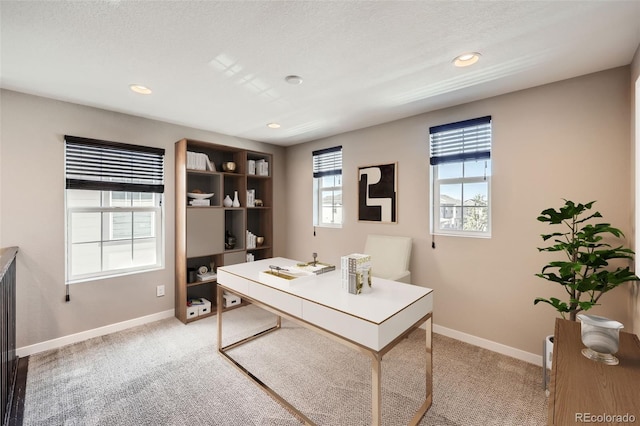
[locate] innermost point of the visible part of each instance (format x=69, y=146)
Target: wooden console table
x=586, y=391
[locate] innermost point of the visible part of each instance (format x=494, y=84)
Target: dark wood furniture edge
x=15, y=415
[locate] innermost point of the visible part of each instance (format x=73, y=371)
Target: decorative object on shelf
x=259, y=241
x=377, y=193
x=192, y=275
x=601, y=336
x=227, y=202
x=199, y=195
x=199, y=198
x=257, y=202
x=251, y=197
x=204, y=274
x=236, y=202
x=229, y=166
x=229, y=241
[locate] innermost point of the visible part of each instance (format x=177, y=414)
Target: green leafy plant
x=585, y=273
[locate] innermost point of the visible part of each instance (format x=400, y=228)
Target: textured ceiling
x=220, y=66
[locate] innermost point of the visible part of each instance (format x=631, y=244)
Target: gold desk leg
x=219, y=299
x=428, y=374
x=376, y=389
x=376, y=365
x=429, y=369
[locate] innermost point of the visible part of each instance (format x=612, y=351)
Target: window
x=113, y=208
x=327, y=187
x=461, y=177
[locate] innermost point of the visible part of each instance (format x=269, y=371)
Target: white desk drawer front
x=292, y=305
x=348, y=326
x=233, y=282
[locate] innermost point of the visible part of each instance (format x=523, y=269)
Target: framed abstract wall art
x=378, y=193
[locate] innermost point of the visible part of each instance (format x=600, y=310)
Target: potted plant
x=584, y=271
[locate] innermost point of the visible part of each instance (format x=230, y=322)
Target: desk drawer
x=287, y=303
x=233, y=282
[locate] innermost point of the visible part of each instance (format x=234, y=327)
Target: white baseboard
x=96, y=332
x=112, y=328
x=488, y=344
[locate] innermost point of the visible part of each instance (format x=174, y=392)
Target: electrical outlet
x=160, y=290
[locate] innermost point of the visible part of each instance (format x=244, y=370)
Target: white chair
x=390, y=257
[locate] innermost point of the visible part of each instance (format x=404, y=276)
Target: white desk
x=372, y=322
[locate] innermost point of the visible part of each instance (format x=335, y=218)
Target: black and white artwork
x=377, y=193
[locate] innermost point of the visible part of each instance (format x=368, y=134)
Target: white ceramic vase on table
x=601, y=336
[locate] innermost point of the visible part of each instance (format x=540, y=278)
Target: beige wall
x=32, y=214
x=564, y=140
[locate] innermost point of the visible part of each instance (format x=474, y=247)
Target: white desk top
x=383, y=300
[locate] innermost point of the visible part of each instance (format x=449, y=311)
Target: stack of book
x=356, y=272
x=251, y=240
x=199, y=161
x=258, y=167
x=262, y=168
x=197, y=202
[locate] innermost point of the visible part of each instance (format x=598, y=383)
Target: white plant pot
x=548, y=350
x=601, y=336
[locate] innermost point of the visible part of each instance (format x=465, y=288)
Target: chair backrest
x=389, y=254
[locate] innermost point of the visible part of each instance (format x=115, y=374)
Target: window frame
x=144, y=176
x=474, y=150
x=435, y=227
x=318, y=190
x=106, y=237
x=327, y=163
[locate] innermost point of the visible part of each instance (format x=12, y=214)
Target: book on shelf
x=200, y=202
x=199, y=161
x=251, y=198
x=262, y=167
x=251, y=167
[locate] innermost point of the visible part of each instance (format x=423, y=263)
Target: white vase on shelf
x=227, y=201
x=236, y=202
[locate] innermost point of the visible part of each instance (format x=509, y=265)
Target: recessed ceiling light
x=466, y=59
x=293, y=79
x=273, y=125
x=138, y=88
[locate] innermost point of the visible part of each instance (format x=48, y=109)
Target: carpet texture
x=166, y=373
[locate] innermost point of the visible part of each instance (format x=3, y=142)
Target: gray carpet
x=166, y=373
